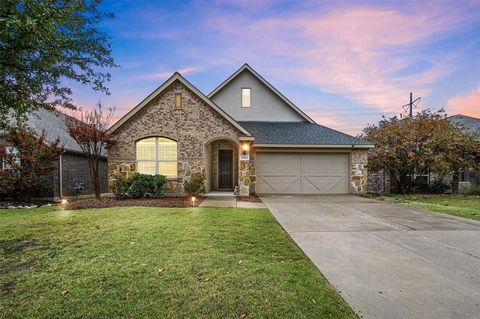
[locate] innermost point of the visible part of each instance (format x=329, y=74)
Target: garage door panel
x=285, y=173
x=323, y=184
x=278, y=184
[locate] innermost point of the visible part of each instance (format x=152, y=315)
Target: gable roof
x=175, y=77
x=266, y=83
x=295, y=134
x=467, y=123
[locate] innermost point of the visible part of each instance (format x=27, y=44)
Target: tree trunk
x=96, y=180
x=455, y=182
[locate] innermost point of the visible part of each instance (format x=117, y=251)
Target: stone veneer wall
x=359, y=174
x=246, y=180
x=193, y=126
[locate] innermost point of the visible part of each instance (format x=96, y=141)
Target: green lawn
x=137, y=262
x=457, y=205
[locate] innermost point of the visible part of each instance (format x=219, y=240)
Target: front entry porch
x=222, y=165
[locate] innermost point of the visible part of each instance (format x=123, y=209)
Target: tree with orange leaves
x=89, y=130
x=422, y=144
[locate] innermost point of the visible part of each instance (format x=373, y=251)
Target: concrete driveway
x=386, y=260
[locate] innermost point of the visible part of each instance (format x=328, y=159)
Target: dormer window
x=246, y=97
x=178, y=100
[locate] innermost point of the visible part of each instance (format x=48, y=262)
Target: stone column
x=359, y=174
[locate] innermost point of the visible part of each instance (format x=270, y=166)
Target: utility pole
x=410, y=105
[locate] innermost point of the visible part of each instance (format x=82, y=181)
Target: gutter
x=356, y=146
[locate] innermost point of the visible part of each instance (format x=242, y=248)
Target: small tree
x=27, y=158
x=89, y=130
x=426, y=143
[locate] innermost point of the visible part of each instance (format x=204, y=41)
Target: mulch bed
x=148, y=202
x=251, y=198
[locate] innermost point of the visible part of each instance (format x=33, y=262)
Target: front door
x=225, y=169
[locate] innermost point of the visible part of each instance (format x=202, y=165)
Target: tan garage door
x=285, y=173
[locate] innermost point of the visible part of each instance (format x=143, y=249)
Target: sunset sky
x=344, y=63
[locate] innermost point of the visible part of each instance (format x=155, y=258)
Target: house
x=470, y=125
x=244, y=134
x=71, y=169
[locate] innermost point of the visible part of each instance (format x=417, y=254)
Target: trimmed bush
x=142, y=185
x=120, y=187
x=139, y=186
x=195, y=184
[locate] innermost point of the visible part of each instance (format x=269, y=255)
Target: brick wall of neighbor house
x=359, y=174
x=193, y=126
x=223, y=144
x=75, y=169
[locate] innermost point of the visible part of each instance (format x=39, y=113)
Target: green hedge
x=139, y=186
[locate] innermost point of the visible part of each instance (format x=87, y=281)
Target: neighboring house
x=244, y=134
x=470, y=125
x=71, y=169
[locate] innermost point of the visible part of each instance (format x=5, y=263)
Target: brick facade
x=75, y=169
x=194, y=126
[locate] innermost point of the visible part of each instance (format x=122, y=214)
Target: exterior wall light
x=193, y=201
x=245, y=147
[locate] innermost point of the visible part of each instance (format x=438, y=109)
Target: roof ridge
x=471, y=117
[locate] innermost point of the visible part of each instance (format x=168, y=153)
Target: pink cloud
x=358, y=52
x=467, y=104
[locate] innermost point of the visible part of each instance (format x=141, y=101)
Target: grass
x=140, y=262
x=457, y=205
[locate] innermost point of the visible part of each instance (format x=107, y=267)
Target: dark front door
x=225, y=169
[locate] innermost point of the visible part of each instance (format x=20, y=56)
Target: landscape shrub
x=439, y=187
x=436, y=187
x=120, y=187
x=472, y=190
x=28, y=159
x=142, y=185
x=195, y=184
x=139, y=186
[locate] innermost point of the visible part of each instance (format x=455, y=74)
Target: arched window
x=157, y=156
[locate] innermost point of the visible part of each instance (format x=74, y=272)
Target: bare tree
x=89, y=130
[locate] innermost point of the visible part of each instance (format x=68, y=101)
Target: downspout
x=60, y=169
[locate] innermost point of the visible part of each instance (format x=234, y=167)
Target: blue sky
x=344, y=63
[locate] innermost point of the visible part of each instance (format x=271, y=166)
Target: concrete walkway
x=228, y=201
x=386, y=260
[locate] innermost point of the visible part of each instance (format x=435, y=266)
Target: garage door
x=284, y=173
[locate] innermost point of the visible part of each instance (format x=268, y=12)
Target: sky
x=344, y=63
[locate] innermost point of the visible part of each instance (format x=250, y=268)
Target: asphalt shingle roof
x=54, y=124
x=467, y=123
x=300, y=133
